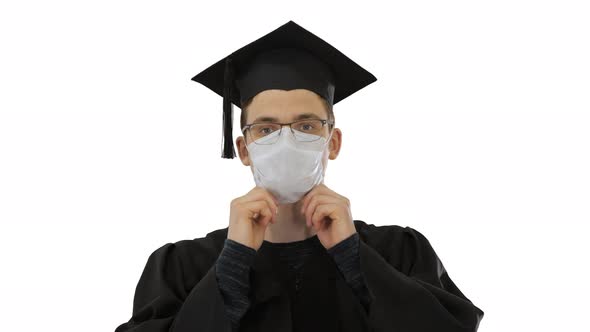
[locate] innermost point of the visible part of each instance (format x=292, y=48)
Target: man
x=293, y=258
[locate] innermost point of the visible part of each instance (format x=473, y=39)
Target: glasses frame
x=324, y=122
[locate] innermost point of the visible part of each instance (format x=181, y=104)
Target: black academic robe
x=409, y=288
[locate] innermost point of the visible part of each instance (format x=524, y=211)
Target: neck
x=290, y=225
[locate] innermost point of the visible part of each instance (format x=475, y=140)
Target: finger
x=314, y=202
x=319, y=189
x=254, y=208
x=259, y=211
x=259, y=193
x=322, y=188
x=267, y=217
x=264, y=191
x=322, y=215
x=264, y=215
x=307, y=197
x=272, y=201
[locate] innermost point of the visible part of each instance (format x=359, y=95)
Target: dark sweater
x=233, y=265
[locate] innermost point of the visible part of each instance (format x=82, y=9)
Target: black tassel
x=227, y=137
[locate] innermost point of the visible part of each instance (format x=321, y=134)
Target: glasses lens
x=309, y=130
x=264, y=133
x=304, y=131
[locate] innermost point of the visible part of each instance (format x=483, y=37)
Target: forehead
x=283, y=105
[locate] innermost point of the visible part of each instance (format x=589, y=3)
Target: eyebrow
x=299, y=117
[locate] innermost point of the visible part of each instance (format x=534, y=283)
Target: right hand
x=249, y=215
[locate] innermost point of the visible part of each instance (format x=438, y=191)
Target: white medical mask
x=288, y=169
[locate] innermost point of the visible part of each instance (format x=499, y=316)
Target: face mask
x=289, y=169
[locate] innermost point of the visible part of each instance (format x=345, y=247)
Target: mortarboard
x=290, y=57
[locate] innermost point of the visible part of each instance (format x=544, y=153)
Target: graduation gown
x=409, y=288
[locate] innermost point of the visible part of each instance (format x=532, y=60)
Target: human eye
x=266, y=130
x=308, y=125
x=263, y=129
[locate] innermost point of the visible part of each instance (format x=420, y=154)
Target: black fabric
x=232, y=269
x=409, y=288
x=235, y=260
x=347, y=257
x=345, y=74
x=289, y=57
x=285, y=69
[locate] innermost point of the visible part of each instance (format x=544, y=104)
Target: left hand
x=329, y=215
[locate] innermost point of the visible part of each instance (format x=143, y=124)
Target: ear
x=243, y=151
x=335, y=143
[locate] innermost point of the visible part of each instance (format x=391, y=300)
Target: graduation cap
x=290, y=57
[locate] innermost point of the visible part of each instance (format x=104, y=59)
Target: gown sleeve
x=347, y=258
x=410, y=290
x=173, y=298
x=233, y=276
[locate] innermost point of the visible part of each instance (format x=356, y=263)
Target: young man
x=292, y=257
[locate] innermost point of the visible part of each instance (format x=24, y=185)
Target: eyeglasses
x=307, y=130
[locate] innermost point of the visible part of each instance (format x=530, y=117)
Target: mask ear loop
x=329, y=137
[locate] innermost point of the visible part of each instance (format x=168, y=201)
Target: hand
x=329, y=215
x=249, y=215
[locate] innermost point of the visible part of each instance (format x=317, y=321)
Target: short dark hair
x=328, y=107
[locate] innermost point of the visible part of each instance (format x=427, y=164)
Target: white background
x=475, y=133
